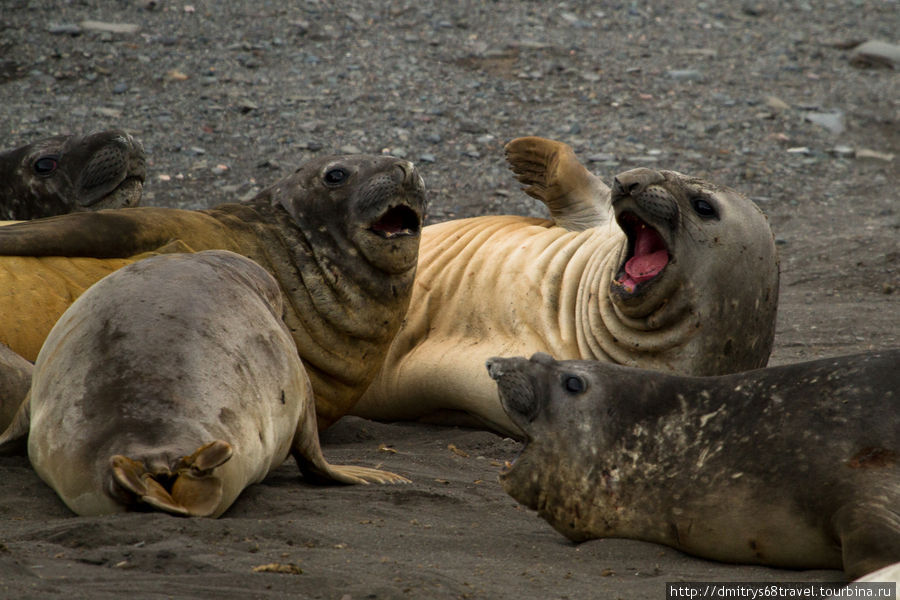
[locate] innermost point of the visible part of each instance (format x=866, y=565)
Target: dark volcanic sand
x=229, y=96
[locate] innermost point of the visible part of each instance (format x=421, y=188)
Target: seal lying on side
x=70, y=173
x=792, y=466
x=174, y=383
x=341, y=236
x=15, y=379
x=664, y=271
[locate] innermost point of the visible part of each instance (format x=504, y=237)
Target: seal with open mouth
x=664, y=271
x=341, y=236
x=71, y=173
x=172, y=384
x=792, y=466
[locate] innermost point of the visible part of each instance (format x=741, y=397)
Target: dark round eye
x=335, y=176
x=574, y=384
x=46, y=165
x=703, y=207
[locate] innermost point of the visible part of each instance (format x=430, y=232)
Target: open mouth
x=397, y=221
x=647, y=253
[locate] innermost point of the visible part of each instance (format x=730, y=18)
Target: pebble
x=843, y=152
x=120, y=88
x=867, y=153
x=832, y=121
x=350, y=149
x=427, y=157
x=685, y=74
x=64, y=29
x=104, y=27
x=876, y=53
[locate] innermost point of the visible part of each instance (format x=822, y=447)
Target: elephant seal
x=664, y=271
x=173, y=383
x=69, y=173
x=15, y=379
x=341, y=236
x=791, y=466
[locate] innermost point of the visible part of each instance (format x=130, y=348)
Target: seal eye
x=335, y=176
x=574, y=384
x=46, y=165
x=703, y=207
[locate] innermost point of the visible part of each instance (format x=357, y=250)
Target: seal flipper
x=195, y=491
x=577, y=198
x=13, y=440
x=870, y=538
x=308, y=453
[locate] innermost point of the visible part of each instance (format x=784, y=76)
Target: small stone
x=799, y=150
x=196, y=151
x=777, y=104
x=112, y=113
x=875, y=53
x=832, y=121
x=64, y=29
x=350, y=149
x=843, y=152
x=103, y=27
x=601, y=157
x=685, y=74
x=427, y=157
x=219, y=169
x=434, y=138
x=120, y=88
x=867, y=153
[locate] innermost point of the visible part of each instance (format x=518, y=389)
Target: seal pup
x=791, y=466
x=664, y=271
x=69, y=173
x=340, y=234
x=15, y=379
x=173, y=383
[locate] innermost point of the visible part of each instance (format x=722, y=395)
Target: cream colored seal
x=340, y=234
x=793, y=466
x=172, y=383
x=663, y=271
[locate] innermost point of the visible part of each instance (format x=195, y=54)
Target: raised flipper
x=119, y=233
x=189, y=488
x=577, y=198
x=308, y=454
x=13, y=440
x=870, y=537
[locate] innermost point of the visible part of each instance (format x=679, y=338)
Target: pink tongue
x=642, y=268
x=650, y=256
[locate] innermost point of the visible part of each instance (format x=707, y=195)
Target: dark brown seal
x=70, y=173
x=792, y=466
x=341, y=236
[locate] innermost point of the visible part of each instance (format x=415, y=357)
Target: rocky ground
x=227, y=97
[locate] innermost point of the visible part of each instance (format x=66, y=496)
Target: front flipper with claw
x=577, y=199
x=189, y=488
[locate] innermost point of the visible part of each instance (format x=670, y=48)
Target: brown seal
x=172, y=383
x=792, y=466
x=663, y=271
x=341, y=236
x=70, y=173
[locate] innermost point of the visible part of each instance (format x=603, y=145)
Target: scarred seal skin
x=663, y=271
x=341, y=236
x=71, y=173
x=172, y=383
x=791, y=466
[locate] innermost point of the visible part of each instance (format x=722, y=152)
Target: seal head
x=68, y=173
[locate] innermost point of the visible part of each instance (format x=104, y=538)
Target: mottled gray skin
x=15, y=379
x=70, y=173
x=791, y=466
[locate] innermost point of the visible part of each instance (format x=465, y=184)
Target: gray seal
x=172, y=383
x=792, y=466
x=15, y=379
x=71, y=173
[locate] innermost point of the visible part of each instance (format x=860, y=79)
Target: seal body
x=173, y=383
x=664, y=271
x=70, y=173
x=791, y=466
x=341, y=236
x=15, y=379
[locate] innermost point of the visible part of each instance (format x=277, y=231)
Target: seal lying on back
x=70, y=173
x=341, y=236
x=174, y=383
x=664, y=271
x=792, y=466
